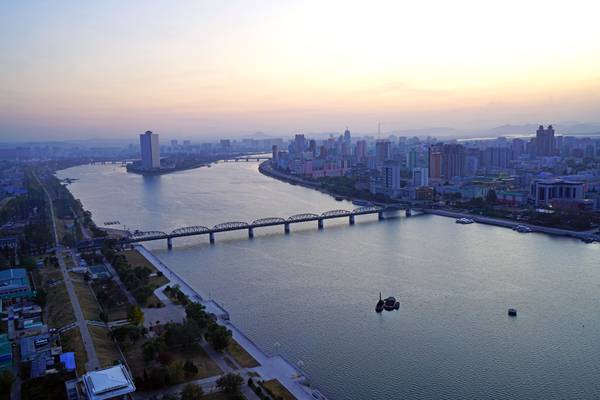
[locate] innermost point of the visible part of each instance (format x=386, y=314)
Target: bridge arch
x=366, y=209
x=148, y=235
x=300, y=217
x=190, y=230
x=231, y=225
x=334, y=213
x=268, y=221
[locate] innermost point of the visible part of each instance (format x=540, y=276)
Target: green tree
x=218, y=336
x=192, y=391
x=230, y=383
x=195, y=312
x=136, y=316
x=491, y=196
x=6, y=381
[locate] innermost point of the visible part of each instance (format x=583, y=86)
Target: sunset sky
x=208, y=68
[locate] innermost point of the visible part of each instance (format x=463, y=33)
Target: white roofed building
x=108, y=383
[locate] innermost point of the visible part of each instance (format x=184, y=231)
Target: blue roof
x=69, y=360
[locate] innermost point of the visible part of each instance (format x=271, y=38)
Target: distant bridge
x=247, y=158
x=145, y=236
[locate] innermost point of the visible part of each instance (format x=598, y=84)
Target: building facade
x=150, y=150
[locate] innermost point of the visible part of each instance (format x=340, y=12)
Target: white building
x=544, y=191
x=420, y=177
x=108, y=383
x=150, y=151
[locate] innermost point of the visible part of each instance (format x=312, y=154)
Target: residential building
x=544, y=141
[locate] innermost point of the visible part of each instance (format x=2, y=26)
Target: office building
x=150, y=149
x=383, y=150
x=544, y=141
x=545, y=192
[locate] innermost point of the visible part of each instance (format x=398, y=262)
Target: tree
x=230, y=383
x=6, y=381
x=141, y=293
x=136, y=316
x=218, y=336
x=192, y=391
x=195, y=312
x=491, y=196
x=40, y=297
x=190, y=368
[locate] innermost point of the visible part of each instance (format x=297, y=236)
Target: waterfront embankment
x=512, y=224
x=271, y=367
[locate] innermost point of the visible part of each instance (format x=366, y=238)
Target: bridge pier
x=169, y=243
x=250, y=233
x=408, y=212
x=380, y=216
x=286, y=228
x=211, y=237
x=320, y=223
x=351, y=218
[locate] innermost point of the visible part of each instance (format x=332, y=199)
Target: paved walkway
x=271, y=367
x=511, y=223
x=92, y=358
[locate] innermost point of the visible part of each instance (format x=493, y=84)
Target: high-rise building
x=150, y=150
x=453, y=161
x=299, y=144
x=361, y=150
x=383, y=150
x=411, y=159
x=347, y=137
x=391, y=178
x=544, y=141
x=173, y=143
x=435, y=161
x=420, y=177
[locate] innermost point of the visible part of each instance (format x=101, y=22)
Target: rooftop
x=108, y=383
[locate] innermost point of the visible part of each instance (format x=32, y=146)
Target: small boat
x=512, y=312
x=362, y=203
x=390, y=304
x=464, y=221
x=379, y=306
x=522, y=229
x=338, y=198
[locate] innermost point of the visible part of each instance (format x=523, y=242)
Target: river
x=313, y=292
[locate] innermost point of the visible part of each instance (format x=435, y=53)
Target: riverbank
x=271, y=367
x=511, y=224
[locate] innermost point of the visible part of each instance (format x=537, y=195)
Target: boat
x=362, y=203
x=512, y=312
x=339, y=198
x=522, y=229
x=464, y=221
x=379, y=306
x=390, y=304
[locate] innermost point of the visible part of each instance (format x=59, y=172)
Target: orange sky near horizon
x=208, y=68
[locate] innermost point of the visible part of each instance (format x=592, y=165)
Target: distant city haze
x=206, y=69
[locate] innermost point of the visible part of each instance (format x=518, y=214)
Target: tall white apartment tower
x=150, y=150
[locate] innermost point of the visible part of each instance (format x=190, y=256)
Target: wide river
x=313, y=292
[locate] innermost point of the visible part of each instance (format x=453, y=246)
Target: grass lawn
x=58, y=309
x=71, y=341
x=87, y=301
x=137, y=260
x=106, y=348
x=241, y=356
x=278, y=391
x=115, y=302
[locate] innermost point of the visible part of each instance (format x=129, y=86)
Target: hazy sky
x=116, y=68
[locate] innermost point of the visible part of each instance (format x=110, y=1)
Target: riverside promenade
x=511, y=224
x=271, y=367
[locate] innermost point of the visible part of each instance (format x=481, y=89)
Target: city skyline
x=200, y=69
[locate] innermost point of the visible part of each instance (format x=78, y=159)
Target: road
x=92, y=358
